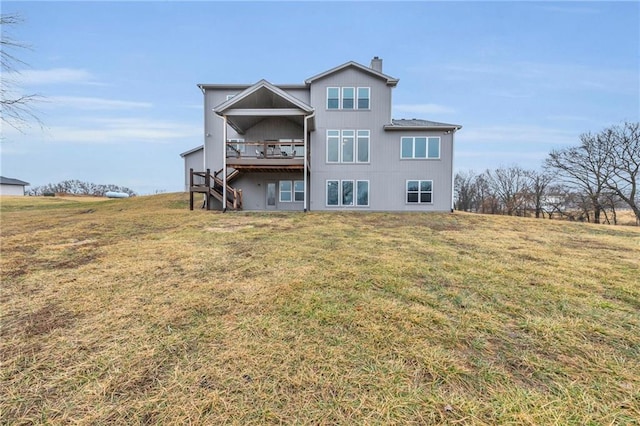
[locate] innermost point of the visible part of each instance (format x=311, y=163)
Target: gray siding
x=254, y=190
x=386, y=172
x=11, y=190
x=195, y=161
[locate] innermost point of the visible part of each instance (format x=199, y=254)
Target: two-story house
x=327, y=144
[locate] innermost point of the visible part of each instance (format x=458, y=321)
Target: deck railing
x=266, y=149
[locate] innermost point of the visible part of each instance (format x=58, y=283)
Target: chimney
x=376, y=64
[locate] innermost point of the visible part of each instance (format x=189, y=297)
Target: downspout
x=224, y=164
x=453, y=178
x=306, y=136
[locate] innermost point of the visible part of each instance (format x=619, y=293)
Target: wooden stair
x=213, y=187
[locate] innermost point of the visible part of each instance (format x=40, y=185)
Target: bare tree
x=623, y=163
x=510, y=185
x=17, y=108
x=538, y=190
x=465, y=191
x=585, y=167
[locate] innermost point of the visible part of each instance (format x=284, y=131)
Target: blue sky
x=121, y=102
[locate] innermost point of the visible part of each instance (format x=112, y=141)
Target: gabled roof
x=351, y=64
x=260, y=101
x=418, y=124
x=11, y=181
x=279, y=99
x=192, y=150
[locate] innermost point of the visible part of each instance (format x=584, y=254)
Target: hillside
x=140, y=311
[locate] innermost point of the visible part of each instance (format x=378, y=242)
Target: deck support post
x=191, y=189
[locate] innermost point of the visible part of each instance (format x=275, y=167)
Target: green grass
x=141, y=311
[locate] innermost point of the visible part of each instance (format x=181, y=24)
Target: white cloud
x=423, y=109
x=531, y=76
x=54, y=76
x=89, y=103
x=525, y=134
x=124, y=130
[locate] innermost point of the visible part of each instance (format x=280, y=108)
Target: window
x=363, y=97
x=285, y=191
x=419, y=191
x=347, y=193
x=333, y=97
x=230, y=97
x=298, y=190
x=362, y=187
x=332, y=192
x=291, y=191
x=363, y=146
x=348, y=140
x=420, y=147
x=348, y=98
x=348, y=146
x=341, y=193
x=333, y=146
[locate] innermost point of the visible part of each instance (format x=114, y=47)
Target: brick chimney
x=376, y=64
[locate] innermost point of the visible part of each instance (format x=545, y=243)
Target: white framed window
x=419, y=192
x=420, y=147
x=349, y=98
x=348, y=146
x=362, y=155
x=333, y=98
x=286, y=191
x=362, y=193
x=291, y=190
x=333, y=193
x=364, y=94
x=298, y=190
x=333, y=146
x=348, y=193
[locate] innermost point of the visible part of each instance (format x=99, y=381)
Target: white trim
x=265, y=112
x=224, y=165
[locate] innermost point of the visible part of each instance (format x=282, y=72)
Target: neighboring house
x=9, y=186
x=327, y=144
x=193, y=159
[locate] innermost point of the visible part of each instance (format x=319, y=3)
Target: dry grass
x=139, y=311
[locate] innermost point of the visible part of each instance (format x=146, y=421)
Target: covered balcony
x=266, y=155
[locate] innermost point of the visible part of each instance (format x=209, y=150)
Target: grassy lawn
x=140, y=311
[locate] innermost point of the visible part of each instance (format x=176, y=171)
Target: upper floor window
x=333, y=97
x=420, y=147
x=348, y=146
x=348, y=97
x=363, y=97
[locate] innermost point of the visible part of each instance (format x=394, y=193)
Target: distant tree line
x=588, y=182
x=76, y=187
